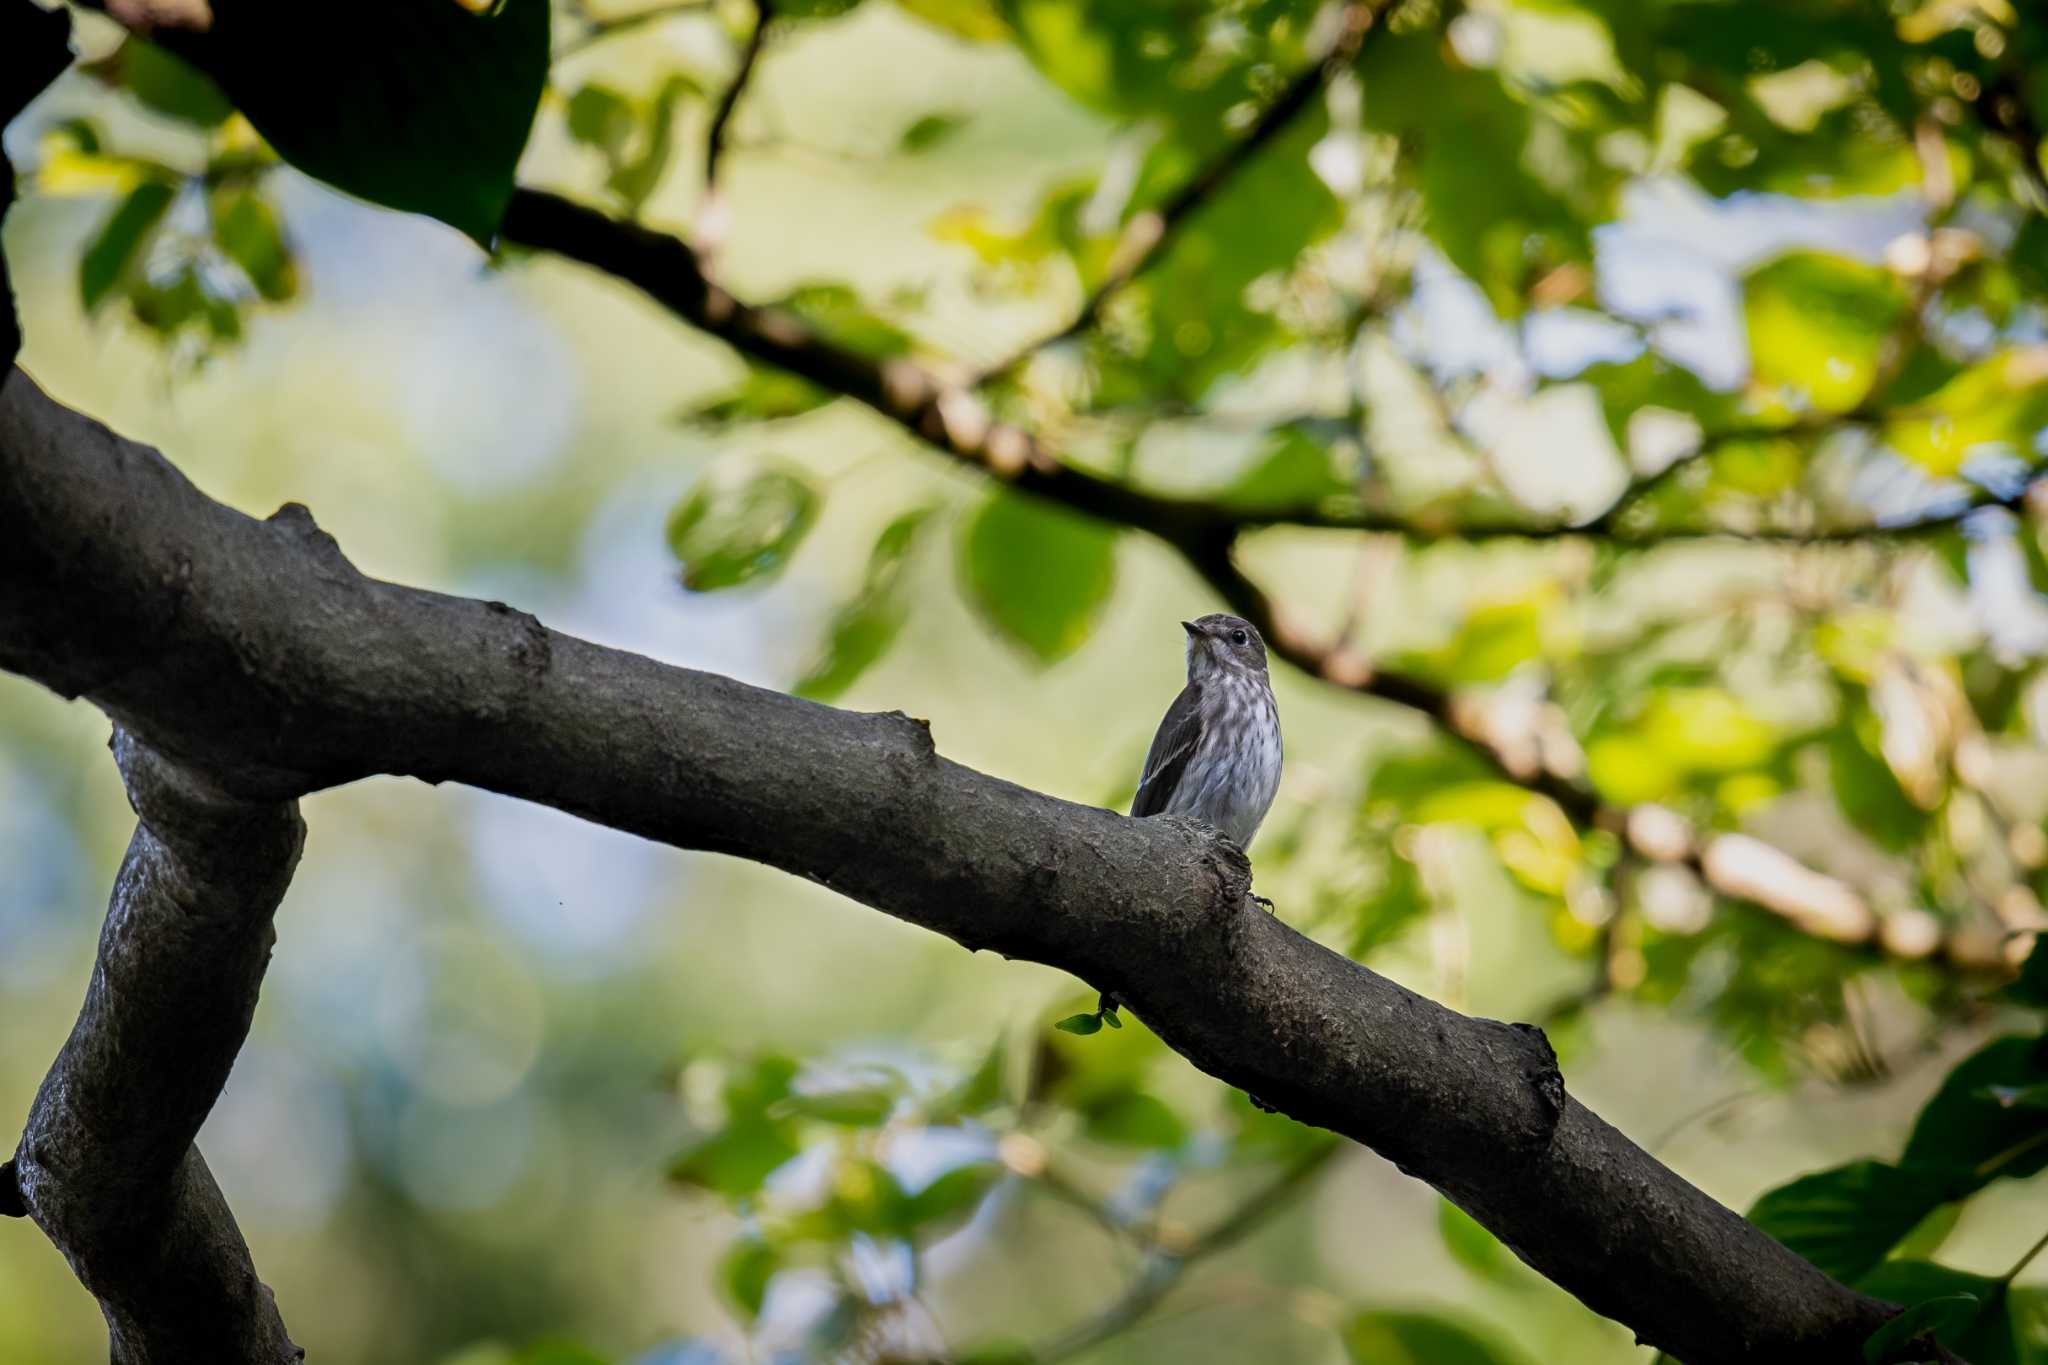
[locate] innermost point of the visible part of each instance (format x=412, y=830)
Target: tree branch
x=106, y=1165
x=255, y=652
x=952, y=420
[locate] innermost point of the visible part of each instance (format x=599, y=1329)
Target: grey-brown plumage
x=1216, y=757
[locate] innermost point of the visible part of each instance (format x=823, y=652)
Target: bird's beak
x=1190, y=628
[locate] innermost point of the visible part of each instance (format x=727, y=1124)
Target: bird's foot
x=1265, y=904
x=1260, y=1104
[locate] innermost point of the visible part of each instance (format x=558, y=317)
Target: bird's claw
x=1265, y=904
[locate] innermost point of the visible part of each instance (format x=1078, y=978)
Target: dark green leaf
x=1975, y=1138
x=1937, y=1319
x=167, y=84
x=417, y=106
x=119, y=241
x=728, y=533
x=1080, y=1023
x=1988, y=1334
x=2031, y=986
x=1846, y=1220
x=1110, y=1019
x=1039, y=573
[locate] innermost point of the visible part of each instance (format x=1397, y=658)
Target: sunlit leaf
x=1817, y=325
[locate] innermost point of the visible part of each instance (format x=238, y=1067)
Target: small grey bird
x=1217, y=754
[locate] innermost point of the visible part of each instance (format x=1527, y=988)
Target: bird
x=1216, y=757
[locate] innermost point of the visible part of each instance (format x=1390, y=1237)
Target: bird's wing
x=1171, y=749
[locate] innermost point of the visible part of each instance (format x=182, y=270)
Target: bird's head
x=1220, y=643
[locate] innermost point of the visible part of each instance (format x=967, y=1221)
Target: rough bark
x=254, y=652
x=106, y=1165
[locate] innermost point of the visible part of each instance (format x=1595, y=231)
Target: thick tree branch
x=106, y=1165
x=255, y=652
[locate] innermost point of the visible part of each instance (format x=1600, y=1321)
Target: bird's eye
x=1238, y=637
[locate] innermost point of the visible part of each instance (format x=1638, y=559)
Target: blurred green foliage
x=1419, y=302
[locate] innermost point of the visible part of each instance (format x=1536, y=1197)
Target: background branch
x=955, y=422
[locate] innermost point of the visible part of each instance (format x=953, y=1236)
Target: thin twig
x=750, y=52
x=1163, y=1268
x=1147, y=235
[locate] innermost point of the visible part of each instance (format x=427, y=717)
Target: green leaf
x=736, y=1160
x=1472, y=1246
x=864, y=628
x=559, y=1353
x=1846, y=1220
x=837, y=314
x=1133, y=1119
x=1975, y=1138
x=634, y=179
x=1985, y=1332
x=953, y=1194
x=745, y=1271
x=929, y=131
x=417, y=106
x=728, y=533
x=167, y=84
x=1816, y=325
x=119, y=241
x=601, y=117
x=2031, y=986
x=1110, y=1019
x=248, y=234
x=1933, y=1319
x=1039, y=573
x=1418, y=1339
x=765, y=395
x=1080, y=1023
